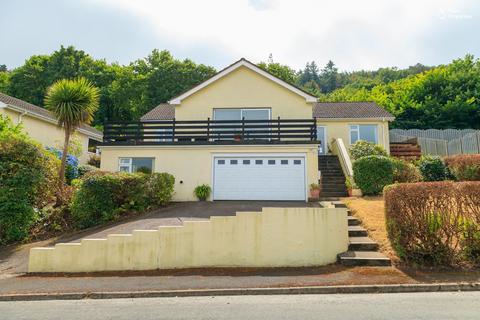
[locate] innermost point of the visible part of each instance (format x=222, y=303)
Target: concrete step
x=353, y=221
x=357, y=231
x=362, y=244
x=334, y=194
x=363, y=258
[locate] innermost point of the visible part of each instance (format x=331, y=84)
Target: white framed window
x=366, y=132
x=240, y=113
x=131, y=165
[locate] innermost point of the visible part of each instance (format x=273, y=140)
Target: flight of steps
x=332, y=178
x=362, y=250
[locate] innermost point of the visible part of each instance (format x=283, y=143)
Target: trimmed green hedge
x=373, y=173
x=104, y=196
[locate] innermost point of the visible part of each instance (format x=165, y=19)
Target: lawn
x=371, y=211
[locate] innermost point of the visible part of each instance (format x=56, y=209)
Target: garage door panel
x=244, y=178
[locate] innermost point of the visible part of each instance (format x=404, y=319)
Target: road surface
x=446, y=305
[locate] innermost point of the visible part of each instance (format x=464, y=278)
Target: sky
x=355, y=34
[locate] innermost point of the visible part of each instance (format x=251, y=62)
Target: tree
x=73, y=102
x=328, y=77
x=309, y=73
x=281, y=71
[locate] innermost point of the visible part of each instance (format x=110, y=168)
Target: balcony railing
x=210, y=132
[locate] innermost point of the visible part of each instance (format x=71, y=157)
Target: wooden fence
x=441, y=142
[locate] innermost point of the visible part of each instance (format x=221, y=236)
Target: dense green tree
x=4, y=81
x=281, y=71
x=309, y=73
x=328, y=80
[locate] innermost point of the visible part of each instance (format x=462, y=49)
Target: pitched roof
x=245, y=63
x=163, y=111
x=350, y=110
x=41, y=112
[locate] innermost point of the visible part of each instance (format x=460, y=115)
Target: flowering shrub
x=71, y=169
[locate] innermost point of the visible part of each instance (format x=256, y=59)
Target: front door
x=322, y=137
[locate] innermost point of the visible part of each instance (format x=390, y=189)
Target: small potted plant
x=352, y=188
x=314, y=191
x=202, y=192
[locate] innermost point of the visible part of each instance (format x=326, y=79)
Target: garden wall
x=275, y=237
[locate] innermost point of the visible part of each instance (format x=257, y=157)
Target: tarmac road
x=438, y=306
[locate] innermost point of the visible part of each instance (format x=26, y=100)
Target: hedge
x=465, y=167
x=373, y=173
x=103, y=196
x=434, y=223
x=27, y=174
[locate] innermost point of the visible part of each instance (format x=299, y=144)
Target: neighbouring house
x=41, y=125
x=247, y=134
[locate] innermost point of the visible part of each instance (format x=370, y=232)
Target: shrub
x=405, y=172
x=27, y=173
x=202, y=192
x=465, y=167
x=83, y=170
x=71, y=169
x=434, y=223
x=160, y=188
x=373, y=173
x=94, y=160
x=433, y=169
x=104, y=198
x=363, y=148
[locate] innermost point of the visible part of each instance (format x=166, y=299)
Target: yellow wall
x=47, y=133
x=276, y=237
x=340, y=129
x=193, y=164
x=244, y=88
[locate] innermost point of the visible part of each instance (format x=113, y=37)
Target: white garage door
x=259, y=178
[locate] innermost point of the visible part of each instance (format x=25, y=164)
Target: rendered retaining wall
x=275, y=237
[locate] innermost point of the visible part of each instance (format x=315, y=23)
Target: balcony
x=211, y=132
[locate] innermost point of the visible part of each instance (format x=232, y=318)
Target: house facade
x=41, y=125
x=244, y=132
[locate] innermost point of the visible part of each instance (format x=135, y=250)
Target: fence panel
x=441, y=142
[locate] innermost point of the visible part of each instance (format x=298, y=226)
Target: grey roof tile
x=349, y=110
x=163, y=111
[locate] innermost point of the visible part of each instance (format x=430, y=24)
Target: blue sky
x=354, y=34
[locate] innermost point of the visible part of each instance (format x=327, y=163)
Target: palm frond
x=73, y=102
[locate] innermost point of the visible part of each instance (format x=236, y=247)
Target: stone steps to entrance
x=362, y=244
x=332, y=178
x=357, y=231
x=362, y=250
x=363, y=258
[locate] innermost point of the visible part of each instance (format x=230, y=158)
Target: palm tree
x=73, y=102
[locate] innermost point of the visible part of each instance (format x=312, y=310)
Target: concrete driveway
x=14, y=259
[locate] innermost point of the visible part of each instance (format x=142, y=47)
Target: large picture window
x=131, y=165
x=243, y=113
x=366, y=132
